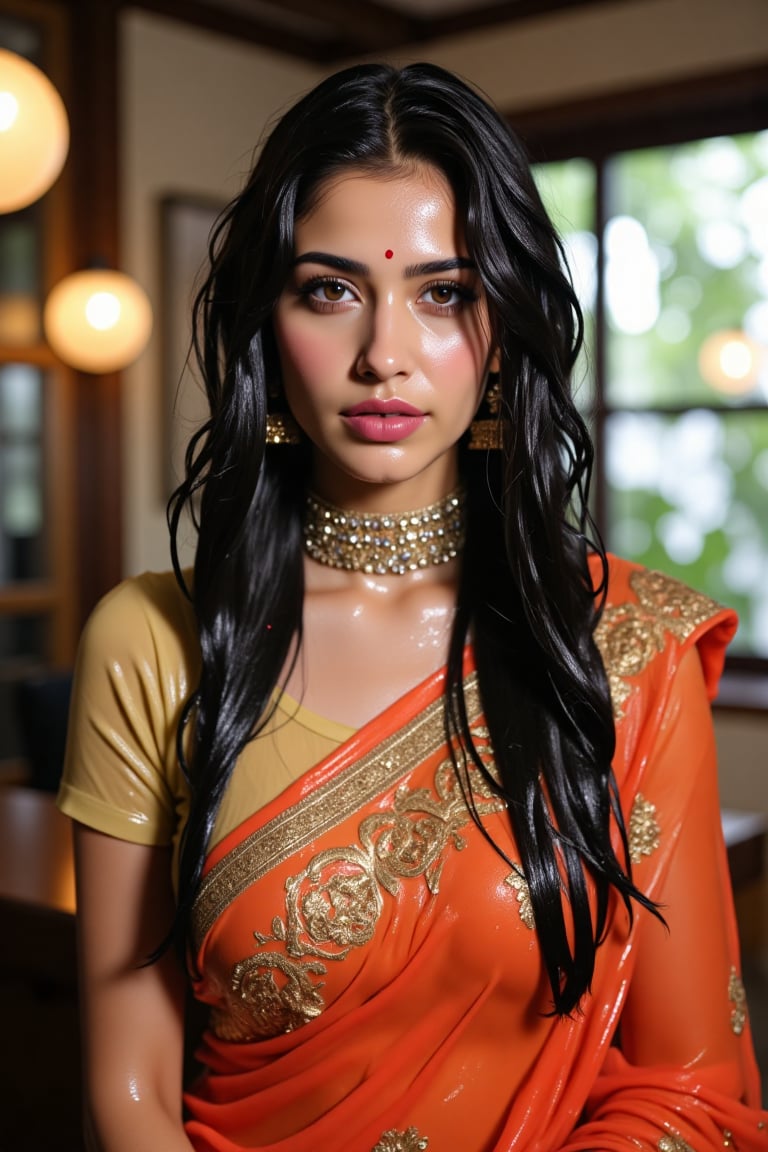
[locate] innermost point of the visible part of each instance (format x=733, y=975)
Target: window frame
x=595, y=129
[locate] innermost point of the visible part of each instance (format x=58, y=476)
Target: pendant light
x=34, y=132
x=97, y=320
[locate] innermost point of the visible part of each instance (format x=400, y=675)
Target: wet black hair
x=525, y=590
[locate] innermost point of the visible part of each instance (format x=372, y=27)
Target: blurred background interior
x=648, y=123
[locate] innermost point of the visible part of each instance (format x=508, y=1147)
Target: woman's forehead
x=391, y=179
x=415, y=207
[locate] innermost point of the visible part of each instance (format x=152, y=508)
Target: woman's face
x=384, y=338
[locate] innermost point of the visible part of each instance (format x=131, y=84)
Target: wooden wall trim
x=342, y=29
x=96, y=206
x=719, y=103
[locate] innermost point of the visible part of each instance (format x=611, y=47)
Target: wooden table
x=36, y=865
x=40, y=1063
x=37, y=887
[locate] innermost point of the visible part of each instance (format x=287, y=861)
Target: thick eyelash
x=466, y=294
x=306, y=289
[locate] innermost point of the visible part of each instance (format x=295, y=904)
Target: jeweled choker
x=385, y=544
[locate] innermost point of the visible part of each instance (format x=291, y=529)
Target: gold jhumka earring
x=282, y=429
x=485, y=429
x=281, y=426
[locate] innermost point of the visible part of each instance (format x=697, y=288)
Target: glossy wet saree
x=372, y=965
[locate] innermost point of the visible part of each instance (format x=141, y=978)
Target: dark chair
x=43, y=709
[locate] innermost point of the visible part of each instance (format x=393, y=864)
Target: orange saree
x=372, y=967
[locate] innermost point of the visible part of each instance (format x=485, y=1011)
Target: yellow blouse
x=137, y=663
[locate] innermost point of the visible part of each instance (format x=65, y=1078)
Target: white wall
x=193, y=108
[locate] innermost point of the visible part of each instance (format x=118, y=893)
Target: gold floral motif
x=629, y=635
x=259, y=1007
x=411, y=839
x=408, y=1141
x=673, y=1142
x=517, y=881
x=341, y=911
x=643, y=832
x=334, y=905
x=738, y=998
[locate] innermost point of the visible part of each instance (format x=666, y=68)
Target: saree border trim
x=331, y=803
x=631, y=633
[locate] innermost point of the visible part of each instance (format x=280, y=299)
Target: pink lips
x=383, y=421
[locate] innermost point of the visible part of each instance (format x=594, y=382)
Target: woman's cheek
x=461, y=352
x=456, y=364
x=306, y=356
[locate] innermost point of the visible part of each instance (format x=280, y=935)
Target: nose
x=384, y=350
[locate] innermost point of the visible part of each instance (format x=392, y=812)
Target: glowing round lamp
x=730, y=362
x=34, y=132
x=97, y=320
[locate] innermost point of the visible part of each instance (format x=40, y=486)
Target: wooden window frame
x=595, y=129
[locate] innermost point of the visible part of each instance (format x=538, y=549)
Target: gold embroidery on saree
x=334, y=904
x=330, y=804
x=673, y=1142
x=517, y=881
x=408, y=1141
x=410, y=840
x=629, y=635
x=261, y=1007
x=738, y=998
x=643, y=831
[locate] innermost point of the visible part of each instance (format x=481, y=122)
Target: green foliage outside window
x=684, y=445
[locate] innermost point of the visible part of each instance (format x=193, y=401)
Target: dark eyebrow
x=342, y=264
x=433, y=267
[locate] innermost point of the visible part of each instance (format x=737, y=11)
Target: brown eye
x=442, y=293
x=333, y=291
x=324, y=291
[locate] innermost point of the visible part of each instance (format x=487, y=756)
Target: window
x=669, y=250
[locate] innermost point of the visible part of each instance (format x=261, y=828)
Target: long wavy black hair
x=525, y=590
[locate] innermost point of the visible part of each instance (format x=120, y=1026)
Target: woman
x=421, y=783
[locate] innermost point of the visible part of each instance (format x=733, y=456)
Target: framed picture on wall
x=185, y=227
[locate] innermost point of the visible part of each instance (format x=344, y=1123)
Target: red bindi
x=389, y=253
